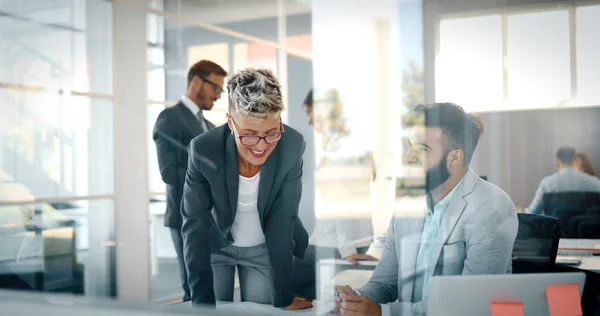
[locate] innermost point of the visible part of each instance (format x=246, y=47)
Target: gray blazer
x=210, y=201
x=476, y=237
x=175, y=127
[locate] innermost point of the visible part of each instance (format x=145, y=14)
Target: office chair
x=536, y=245
x=594, y=210
x=589, y=229
x=578, y=220
x=582, y=200
x=564, y=215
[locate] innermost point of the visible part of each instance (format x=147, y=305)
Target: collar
x=443, y=204
x=567, y=169
x=190, y=105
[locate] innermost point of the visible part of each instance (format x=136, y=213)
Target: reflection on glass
x=52, y=247
x=588, y=64
x=55, y=145
x=63, y=46
x=538, y=59
x=469, y=65
x=253, y=17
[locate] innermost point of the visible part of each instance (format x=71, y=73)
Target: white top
x=246, y=229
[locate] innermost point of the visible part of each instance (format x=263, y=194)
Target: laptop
x=472, y=294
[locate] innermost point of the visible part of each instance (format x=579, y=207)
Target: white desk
x=584, y=245
x=586, y=249
x=329, y=269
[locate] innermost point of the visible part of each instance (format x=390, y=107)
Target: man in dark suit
x=174, y=129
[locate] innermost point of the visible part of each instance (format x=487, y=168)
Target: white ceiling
x=229, y=11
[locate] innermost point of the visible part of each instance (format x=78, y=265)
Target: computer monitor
x=472, y=294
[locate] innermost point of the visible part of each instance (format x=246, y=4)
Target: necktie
x=202, y=121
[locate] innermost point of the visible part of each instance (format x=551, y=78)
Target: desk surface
x=589, y=263
x=342, y=262
x=592, y=245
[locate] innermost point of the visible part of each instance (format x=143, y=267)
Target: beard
x=203, y=101
x=437, y=175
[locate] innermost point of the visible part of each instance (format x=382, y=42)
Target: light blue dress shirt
x=431, y=231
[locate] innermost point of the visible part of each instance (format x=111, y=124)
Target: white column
x=131, y=151
x=383, y=188
x=94, y=171
x=282, y=65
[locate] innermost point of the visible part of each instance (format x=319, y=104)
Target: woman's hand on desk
x=299, y=303
x=359, y=256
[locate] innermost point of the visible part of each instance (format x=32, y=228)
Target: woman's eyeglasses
x=252, y=140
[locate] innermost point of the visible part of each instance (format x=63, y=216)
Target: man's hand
x=354, y=305
x=299, y=303
x=359, y=256
x=345, y=289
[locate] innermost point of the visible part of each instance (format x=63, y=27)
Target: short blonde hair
x=254, y=93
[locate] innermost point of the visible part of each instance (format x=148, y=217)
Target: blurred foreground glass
x=54, y=145
x=64, y=45
x=65, y=247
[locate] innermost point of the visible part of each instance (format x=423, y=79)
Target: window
x=588, y=48
x=469, y=66
x=519, y=60
x=538, y=59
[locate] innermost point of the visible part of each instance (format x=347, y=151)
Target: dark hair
x=309, y=98
x=586, y=164
x=566, y=155
x=461, y=130
x=204, y=68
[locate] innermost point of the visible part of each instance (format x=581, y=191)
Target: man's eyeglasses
x=218, y=88
x=253, y=140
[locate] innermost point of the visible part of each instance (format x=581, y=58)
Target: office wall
x=518, y=148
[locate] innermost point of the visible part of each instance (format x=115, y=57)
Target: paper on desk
x=506, y=309
x=563, y=300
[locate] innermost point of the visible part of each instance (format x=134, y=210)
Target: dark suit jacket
x=210, y=202
x=174, y=129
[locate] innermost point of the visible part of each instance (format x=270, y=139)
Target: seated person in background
x=567, y=179
x=469, y=226
x=240, y=200
x=332, y=238
x=584, y=164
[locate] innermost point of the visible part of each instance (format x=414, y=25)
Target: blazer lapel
x=267, y=176
x=189, y=120
x=232, y=176
x=454, y=211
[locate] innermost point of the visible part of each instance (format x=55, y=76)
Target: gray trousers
x=178, y=243
x=253, y=271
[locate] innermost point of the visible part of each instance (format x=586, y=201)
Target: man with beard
x=174, y=129
x=469, y=225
